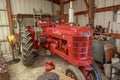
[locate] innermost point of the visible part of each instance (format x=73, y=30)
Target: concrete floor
x=20, y=72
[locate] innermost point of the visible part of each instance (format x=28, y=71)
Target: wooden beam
x=115, y=36
x=8, y=6
x=86, y=3
x=24, y=15
x=91, y=12
x=55, y=1
x=81, y=12
x=110, y=8
x=67, y=1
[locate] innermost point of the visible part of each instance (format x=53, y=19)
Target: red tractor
x=72, y=43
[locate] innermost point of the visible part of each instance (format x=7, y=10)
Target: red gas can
x=49, y=66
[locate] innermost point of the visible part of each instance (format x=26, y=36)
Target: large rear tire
x=74, y=73
x=26, y=47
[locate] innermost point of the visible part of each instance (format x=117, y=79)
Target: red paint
x=71, y=43
x=49, y=66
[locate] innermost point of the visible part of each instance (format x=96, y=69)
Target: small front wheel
x=94, y=74
x=74, y=73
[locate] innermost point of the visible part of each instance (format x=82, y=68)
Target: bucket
x=107, y=68
x=114, y=60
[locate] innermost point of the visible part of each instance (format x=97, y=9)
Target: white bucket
x=107, y=68
x=114, y=60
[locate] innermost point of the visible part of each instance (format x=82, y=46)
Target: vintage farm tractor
x=72, y=43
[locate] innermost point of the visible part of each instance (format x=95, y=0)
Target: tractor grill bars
x=80, y=47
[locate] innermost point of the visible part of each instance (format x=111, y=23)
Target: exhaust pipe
x=71, y=14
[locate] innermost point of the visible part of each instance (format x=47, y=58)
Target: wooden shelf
x=113, y=35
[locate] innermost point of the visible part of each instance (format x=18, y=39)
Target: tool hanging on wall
x=21, y=24
x=12, y=41
x=108, y=27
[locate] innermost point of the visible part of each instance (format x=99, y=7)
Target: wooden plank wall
x=4, y=28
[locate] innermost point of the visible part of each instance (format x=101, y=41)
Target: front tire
x=74, y=73
x=94, y=74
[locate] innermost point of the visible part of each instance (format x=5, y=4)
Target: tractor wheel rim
x=89, y=76
x=71, y=75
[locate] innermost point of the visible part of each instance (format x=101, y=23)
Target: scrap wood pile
x=3, y=68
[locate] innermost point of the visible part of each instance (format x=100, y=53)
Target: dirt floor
x=20, y=72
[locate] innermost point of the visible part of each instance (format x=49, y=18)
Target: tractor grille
x=81, y=47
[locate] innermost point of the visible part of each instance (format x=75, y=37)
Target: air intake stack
x=71, y=14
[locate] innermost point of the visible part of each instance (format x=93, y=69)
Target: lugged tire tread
x=28, y=57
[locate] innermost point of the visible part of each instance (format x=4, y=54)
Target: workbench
x=116, y=66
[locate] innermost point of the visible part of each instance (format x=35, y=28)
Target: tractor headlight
x=86, y=34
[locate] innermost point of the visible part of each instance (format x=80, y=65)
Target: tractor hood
x=74, y=31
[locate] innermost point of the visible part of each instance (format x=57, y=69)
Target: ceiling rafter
x=58, y=1
x=55, y=1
